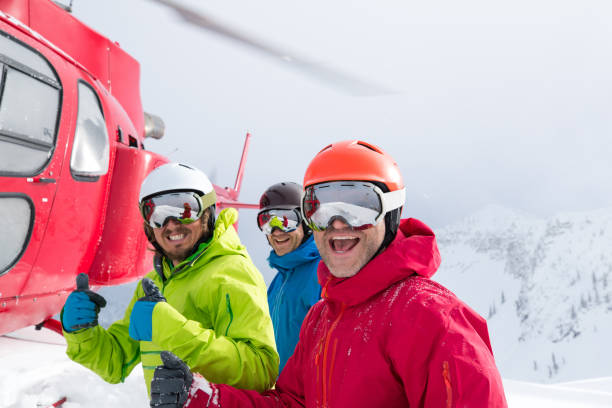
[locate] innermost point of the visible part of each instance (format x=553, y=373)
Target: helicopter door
x=30, y=101
x=79, y=211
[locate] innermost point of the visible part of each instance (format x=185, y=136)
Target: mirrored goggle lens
x=285, y=220
x=182, y=207
x=355, y=203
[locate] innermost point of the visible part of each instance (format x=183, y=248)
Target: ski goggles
x=184, y=207
x=359, y=204
x=284, y=220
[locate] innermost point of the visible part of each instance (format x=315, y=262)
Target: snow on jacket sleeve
x=239, y=348
x=288, y=393
x=448, y=361
x=111, y=353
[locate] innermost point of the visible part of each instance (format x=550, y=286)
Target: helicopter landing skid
x=51, y=324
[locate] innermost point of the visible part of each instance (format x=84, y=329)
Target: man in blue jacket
x=294, y=255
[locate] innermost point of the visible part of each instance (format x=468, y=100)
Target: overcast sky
x=504, y=103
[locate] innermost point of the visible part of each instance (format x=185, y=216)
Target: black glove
x=152, y=293
x=82, y=306
x=171, y=382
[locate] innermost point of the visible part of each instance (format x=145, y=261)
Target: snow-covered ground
x=35, y=372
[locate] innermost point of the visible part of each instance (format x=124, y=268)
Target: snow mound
x=35, y=372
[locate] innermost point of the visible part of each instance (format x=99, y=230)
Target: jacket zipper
x=447, y=383
x=326, y=383
x=276, y=308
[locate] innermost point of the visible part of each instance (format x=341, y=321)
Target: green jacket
x=216, y=319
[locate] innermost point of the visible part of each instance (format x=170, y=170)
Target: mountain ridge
x=543, y=285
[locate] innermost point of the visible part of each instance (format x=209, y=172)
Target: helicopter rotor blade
x=329, y=76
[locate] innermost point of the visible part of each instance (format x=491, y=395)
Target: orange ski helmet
x=359, y=161
x=354, y=160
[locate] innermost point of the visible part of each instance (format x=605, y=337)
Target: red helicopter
x=72, y=158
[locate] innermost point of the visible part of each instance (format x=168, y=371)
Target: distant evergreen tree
x=583, y=303
x=555, y=366
x=492, y=311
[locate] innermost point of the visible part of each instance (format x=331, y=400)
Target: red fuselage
x=71, y=161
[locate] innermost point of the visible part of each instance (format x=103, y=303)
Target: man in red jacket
x=384, y=334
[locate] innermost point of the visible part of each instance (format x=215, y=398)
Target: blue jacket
x=293, y=290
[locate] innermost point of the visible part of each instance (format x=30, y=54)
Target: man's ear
x=204, y=218
x=207, y=223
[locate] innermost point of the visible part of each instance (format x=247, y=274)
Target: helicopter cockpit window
x=30, y=95
x=91, y=150
x=16, y=217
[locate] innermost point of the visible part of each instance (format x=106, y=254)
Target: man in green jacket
x=211, y=308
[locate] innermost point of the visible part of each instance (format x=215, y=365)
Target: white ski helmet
x=177, y=177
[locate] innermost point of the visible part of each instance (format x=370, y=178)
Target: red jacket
x=386, y=337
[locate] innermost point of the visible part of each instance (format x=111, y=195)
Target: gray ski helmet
x=286, y=195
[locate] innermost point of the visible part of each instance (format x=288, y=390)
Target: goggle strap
x=393, y=200
x=209, y=199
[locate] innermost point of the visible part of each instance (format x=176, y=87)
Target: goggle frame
x=389, y=201
x=204, y=201
x=267, y=225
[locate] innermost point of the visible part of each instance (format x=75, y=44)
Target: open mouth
x=176, y=237
x=343, y=244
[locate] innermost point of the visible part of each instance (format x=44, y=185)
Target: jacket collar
x=306, y=252
x=413, y=251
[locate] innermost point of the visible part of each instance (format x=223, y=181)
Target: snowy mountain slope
x=545, y=287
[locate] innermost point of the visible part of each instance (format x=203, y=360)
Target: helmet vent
x=369, y=146
x=325, y=148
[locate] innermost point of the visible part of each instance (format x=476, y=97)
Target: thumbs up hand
x=141, y=325
x=82, y=306
x=175, y=386
x=171, y=382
